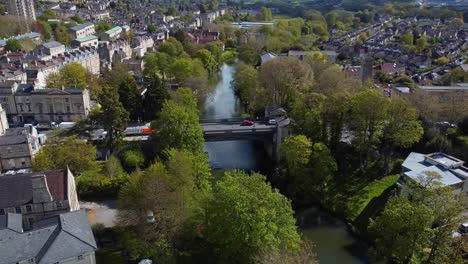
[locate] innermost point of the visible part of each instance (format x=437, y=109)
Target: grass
x=374, y=190
x=109, y=256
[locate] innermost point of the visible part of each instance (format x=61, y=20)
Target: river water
x=333, y=243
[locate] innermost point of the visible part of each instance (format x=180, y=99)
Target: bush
x=132, y=159
x=93, y=184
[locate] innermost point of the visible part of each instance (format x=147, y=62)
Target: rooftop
x=82, y=26
x=52, y=44
x=88, y=38
x=51, y=240
x=449, y=168
x=16, y=190
x=112, y=30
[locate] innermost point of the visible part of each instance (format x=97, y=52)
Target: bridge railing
x=230, y=120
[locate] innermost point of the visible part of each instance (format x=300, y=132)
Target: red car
x=247, y=123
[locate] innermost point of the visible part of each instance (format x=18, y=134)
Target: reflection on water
x=224, y=104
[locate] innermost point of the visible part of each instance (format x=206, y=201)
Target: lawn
x=373, y=191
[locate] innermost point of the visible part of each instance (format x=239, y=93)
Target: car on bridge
x=247, y=123
x=272, y=122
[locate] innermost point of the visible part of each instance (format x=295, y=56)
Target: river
x=333, y=243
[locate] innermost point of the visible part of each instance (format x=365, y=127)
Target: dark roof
x=52, y=240
x=13, y=136
x=16, y=190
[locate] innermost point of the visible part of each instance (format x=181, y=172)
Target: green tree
x=296, y=151
x=151, y=28
x=70, y=75
x=77, y=18
x=285, y=79
x=129, y=96
x=133, y=159
x=401, y=232
x=112, y=115
x=246, y=85
x=62, y=35
x=407, y=38
x=421, y=43
x=402, y=129
x=306, y=115
x=154, y=98
x=246, y=217
x=13, y=45
x=248, y=55
x=178, y=128
x=46, y=29
x=265, y=14
x=181, y=69
x=171, y=11
x=47, y=14
x=369, y=113
x=209, y=62
x=72, y=152
x=442, y=61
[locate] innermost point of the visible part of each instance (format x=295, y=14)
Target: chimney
x=40, y=190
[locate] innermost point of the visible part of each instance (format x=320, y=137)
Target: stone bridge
x=230, y=129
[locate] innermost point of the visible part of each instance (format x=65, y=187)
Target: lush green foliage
x=72, y=152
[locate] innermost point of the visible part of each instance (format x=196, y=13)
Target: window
x=23, y=160
x=58, y=204
x=66, y=100
x=31, y=222
x=51, y=108
x=31, y=261
x=9, y=150
x=18, y=210
x=29, y=208
x=68, y=109
x=20, y=149
x=2, y=211
x=80, y=257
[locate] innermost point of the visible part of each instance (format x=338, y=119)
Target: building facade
x=37, y=196
x=18, y=146
x=21, y=8
x=44, y=105
x=83, y=30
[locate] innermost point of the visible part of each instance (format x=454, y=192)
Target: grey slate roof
x=14, y=136
x=16, y=190
x=14, y=222
x=81, y=26
x=52, y=240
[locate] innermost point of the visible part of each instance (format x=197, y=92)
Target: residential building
x=111, y=34
x=18, y=146
x=83, y=30
x=65, y=238
x=202, y=37
x=23, y=103
x=53, y=48
x=21, y=8
x=38, y=195
x=394, y=69
x=89, y=41
x=115, y=51
x=450, y=169
x=135, y=66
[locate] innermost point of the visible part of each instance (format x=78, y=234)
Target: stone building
x=111, y=34
x=18, y=146
x=53, y=48
x=90, y=41
x=115, y=52
x=24, y=104
x=83, y=30
x=65, y=238
x=21, y=8
x=38, y=195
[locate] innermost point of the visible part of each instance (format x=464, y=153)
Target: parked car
x=247, y=123
x=272, y=122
